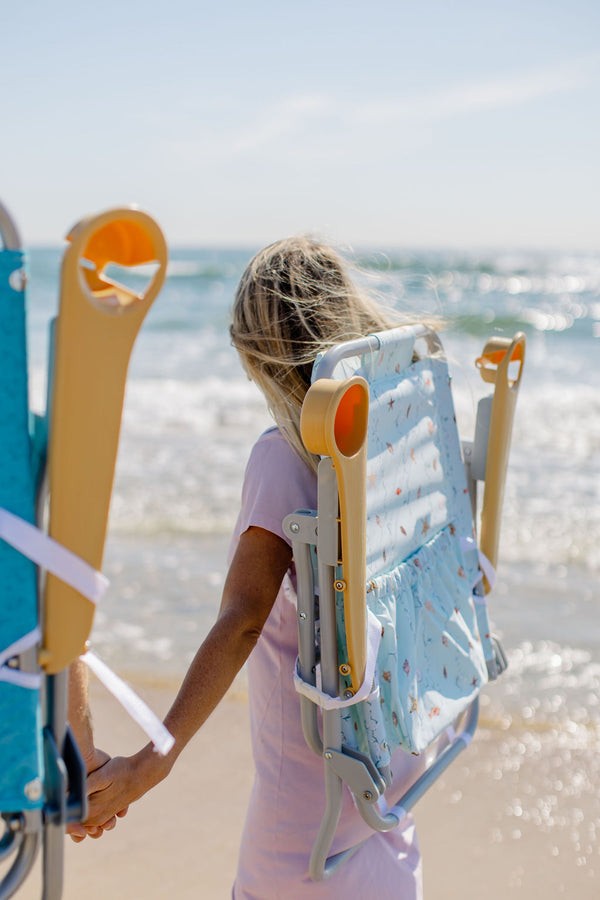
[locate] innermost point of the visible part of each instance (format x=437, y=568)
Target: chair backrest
x=21, y=770
x=421, y=560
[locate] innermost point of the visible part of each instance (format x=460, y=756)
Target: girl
x=294, y=300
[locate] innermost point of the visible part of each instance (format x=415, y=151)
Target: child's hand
x=110, y=789
x=118, y=783
x=77, y=831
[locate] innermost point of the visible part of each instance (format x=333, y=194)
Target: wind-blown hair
x=294, y=300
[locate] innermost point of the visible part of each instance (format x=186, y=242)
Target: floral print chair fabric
x=422, y=561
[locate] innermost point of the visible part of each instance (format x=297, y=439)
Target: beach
x=518, y=815
x=488, y=829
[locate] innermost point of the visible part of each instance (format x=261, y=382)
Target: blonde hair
x=295, y=300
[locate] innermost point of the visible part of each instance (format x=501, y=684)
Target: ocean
x=191, y=417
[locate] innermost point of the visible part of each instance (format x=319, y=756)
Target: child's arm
x=252, y=584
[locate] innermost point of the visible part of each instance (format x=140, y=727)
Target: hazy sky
x=436, y=123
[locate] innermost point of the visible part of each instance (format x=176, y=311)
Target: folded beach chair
x=49, y=584
x=21, y=767
x=394, y=640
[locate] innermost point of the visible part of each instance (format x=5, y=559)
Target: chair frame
x=64, y=797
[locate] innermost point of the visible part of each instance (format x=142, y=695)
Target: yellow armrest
x=97, y=325
x=334, y=423
x=493, y=365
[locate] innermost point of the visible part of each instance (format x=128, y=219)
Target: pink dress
x=288, y=797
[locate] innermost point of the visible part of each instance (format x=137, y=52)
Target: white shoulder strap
x=326, y=701
x=52, y=556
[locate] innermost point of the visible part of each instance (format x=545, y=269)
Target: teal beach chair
x=35, y=777
x=49, y=584
x=394, y=639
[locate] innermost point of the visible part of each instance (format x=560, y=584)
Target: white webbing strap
x=30, y=680
x=48, y=554
x=469, y=543
x=51, y=556
x=139, y=711
x=74, y=571
x=326, y=701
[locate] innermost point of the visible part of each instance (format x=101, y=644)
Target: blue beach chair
x=49, y=584
x=33, y=774
x=394, y=640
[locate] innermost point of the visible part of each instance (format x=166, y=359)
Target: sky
x=432, y=124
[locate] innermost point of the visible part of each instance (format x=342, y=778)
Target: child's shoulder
x=272, y=443
x=273, y=452
x=271, y=434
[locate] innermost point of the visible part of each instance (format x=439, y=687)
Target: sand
x=479, y=840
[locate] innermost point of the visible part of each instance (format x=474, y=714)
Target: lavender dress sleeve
x=277, y=482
